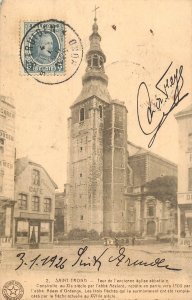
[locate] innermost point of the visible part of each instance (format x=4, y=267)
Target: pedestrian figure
x=133, y=240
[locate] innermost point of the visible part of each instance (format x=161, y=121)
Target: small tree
x=163, y=188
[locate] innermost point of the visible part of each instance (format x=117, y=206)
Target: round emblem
x=12, y=290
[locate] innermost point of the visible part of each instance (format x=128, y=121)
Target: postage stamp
x=44, y=50
x=49, y=47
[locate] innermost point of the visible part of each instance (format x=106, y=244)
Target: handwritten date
x=83, y=259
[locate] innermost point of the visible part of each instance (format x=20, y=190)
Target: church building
x=100, y=180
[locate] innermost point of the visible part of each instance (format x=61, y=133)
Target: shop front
x=33, y=233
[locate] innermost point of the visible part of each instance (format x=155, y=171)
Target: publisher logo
x=12, y=290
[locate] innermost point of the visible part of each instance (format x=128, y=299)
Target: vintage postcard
x=96, y=149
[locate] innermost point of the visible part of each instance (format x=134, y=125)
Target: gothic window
x=100, y=111
x=190, y=179
x=82, y=114
x=35, y=203
x=95, y=61
x=22, y=201
x=190, y=142
x=35, y=177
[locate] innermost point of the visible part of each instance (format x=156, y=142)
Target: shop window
x=35, y=203
x=22, y=232
x=100, y=111
x=45, y=232
x=82, y=114
x=22, y=201
x=35, y=177
x=190, y=179
x=47, y=205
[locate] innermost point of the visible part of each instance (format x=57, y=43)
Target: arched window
x=95, y=61
x=89, y=61
x=100, y=111
x=82, y=114
x=101, y=62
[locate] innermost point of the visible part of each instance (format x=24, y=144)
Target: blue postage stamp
x=44, y=48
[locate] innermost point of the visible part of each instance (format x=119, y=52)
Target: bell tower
x=85, y=127
x=98, y=157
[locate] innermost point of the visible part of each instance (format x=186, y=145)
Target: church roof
x=135, y=150
x=93, y=88
x=185, y=112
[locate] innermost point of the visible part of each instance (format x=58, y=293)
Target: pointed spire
x=95, y=57
x=95, y=80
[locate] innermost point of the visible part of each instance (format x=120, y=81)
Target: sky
x=149, y=36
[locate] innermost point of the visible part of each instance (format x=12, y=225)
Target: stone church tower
x=97, y=162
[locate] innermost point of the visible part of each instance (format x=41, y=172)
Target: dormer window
x=82, y=114
x=35, y=177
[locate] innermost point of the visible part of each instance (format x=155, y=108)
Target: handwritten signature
x=84, y=259
x=170, y=96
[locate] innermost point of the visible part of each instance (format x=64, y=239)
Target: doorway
x=34, y=235
x=151, y=228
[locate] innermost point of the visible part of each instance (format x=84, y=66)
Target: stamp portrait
x=44, y=47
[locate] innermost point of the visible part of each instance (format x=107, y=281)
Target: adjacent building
x=146, y=214
x=60, y=212
x=184, y=119
x=34, y=211
x=7, y=157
